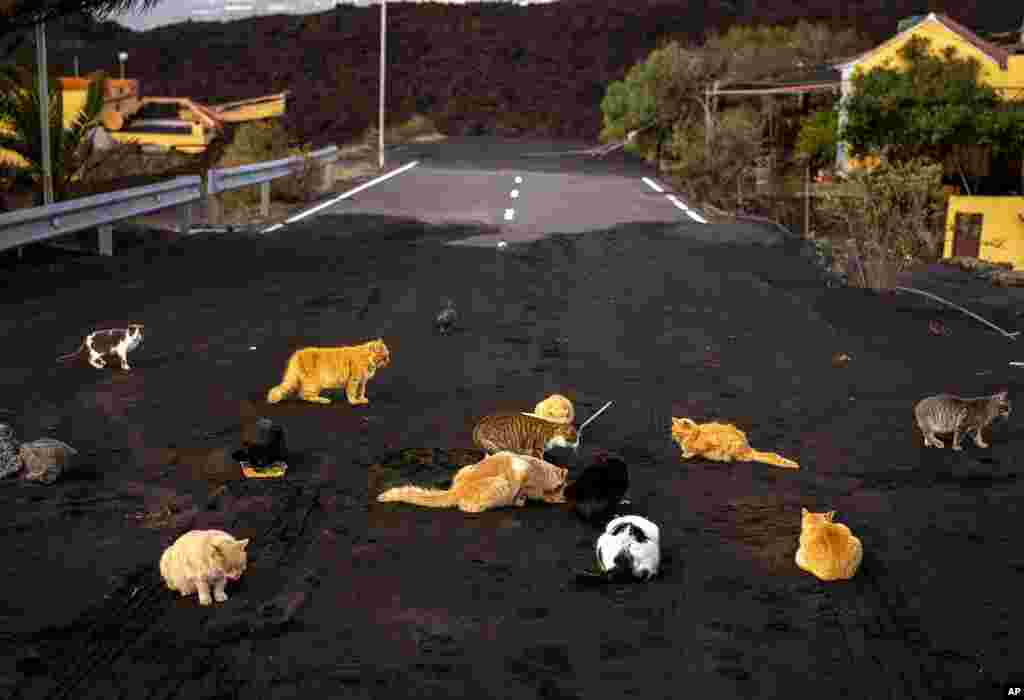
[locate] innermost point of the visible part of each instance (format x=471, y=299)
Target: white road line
x=509, y=214
x=675, y=200
x=518, y=179
x=696, y=217
x=513, y=194
x=318, y=207
x=653, y=185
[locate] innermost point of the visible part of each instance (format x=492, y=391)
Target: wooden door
x=967, y=235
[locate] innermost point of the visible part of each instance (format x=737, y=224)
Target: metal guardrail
x=224, y=179
x=39, y=224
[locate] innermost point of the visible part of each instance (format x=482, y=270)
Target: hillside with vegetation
x=539, y=70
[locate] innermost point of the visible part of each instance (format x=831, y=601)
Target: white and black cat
x=99, y=346
x=267, y=448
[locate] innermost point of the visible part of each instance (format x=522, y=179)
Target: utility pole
x=44, y=112
x=383, y=28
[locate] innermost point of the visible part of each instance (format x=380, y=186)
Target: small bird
x=600, y=489
x=445, y=320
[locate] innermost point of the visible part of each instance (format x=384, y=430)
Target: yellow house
x=1001, y=69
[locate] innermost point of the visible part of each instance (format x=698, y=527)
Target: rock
x=46, y=459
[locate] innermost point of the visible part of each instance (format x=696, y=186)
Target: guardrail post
x=185, y=218
x=106, y=236
x=211, y=201
x=328, y=178
x=265, y=198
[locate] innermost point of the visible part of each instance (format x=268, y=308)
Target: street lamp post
x=43, y=86
x=122, y=56
x=383, y=27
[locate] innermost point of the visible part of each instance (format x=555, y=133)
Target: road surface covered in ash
x=345, y=597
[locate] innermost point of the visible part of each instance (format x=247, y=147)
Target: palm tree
x=70, y=149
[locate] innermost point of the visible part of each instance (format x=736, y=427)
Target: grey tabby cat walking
x=946, y=413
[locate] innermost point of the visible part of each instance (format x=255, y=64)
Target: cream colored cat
x=502, y=479
x=203, y=560
x=311, y=370
x=827, y=549
x=555, y=408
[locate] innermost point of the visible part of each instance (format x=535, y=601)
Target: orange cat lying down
x=827, y=549
x=721, y=442
x=311, y=370
x=501, y=479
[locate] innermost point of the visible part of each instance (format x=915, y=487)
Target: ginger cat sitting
x=827, y=549
x=311, y=370
x=721, y=442
x=502, y=479
x=555, y=408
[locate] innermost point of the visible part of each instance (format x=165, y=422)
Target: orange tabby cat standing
x=311, y=370
x=502, y=479
x=827, y=549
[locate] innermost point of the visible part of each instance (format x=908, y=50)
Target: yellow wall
x=942, y=37
x=1002, y=232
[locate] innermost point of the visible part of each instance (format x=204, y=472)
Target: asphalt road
x=349, y=598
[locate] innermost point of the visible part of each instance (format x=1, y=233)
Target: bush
x=891, y=216
x=265, y=140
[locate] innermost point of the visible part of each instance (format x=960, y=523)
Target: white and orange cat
x=498, y=480
x=311, y=370
x=201, y=561
x=103, y=345
x=721, y=442
x=555, y=408
x=827, y=549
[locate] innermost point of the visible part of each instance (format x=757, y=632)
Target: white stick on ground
x=1011, y=336
x=589, y=420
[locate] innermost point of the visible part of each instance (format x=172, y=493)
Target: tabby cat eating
x=523, y=434
x=946, y=413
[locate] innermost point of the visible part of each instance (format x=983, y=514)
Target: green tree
x=935, y=106
x=21, y=111
x=818, y=137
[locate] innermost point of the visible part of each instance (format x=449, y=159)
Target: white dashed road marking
x=514, y=194
x=653, y=185
x=510, y=214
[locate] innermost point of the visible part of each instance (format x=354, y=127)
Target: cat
x=555, y=408
x=311, y=370
x=523, y=434
x=827, y=549
x=267, y=447
x=502, y=479
x=108, y=343
x=46, y=459
x=599, y=490
x=721, y=442
x=946, y=413
x=10, y=452
x=203, y=560
x=629, y=549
